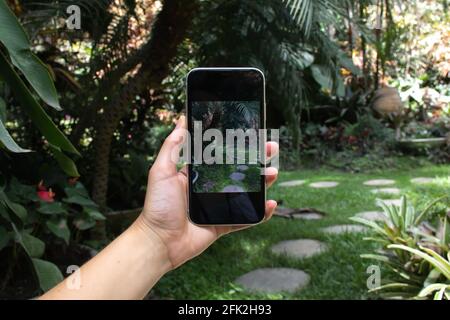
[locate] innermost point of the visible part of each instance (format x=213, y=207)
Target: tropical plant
x=15, y=56
x=33, y=217
x=412, y=249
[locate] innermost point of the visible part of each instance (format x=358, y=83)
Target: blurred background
x=360, y=90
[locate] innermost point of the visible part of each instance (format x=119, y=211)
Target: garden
x=360, y=93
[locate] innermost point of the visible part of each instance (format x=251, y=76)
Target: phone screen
x=226, y=122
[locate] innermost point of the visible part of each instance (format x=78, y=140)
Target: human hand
x=165, y=207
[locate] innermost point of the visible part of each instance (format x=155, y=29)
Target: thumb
x=169, y=154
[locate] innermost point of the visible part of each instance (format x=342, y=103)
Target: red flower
x=44, y=194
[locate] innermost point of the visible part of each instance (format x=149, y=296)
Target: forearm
x=126, y=269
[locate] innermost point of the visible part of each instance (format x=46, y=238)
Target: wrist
x=154, y=248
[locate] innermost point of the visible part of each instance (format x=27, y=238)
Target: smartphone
x=226, y=123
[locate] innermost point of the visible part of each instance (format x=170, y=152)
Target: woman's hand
x=165, y=208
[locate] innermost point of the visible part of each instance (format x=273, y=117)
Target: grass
x=338, y=273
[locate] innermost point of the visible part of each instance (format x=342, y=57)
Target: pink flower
x=44, y=194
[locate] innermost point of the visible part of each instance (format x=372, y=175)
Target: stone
x=302, y=248
x=307, y=216
x=386, y=191
x=379, y=182
x=372, y=215
x=422, y=180
x=292, y=183
x=285, y=212
x=237, y=176
x=391, y=202
x=344, y=228
x=242, y=167
x=324, y=184
x=274, y=280
x=232, y=188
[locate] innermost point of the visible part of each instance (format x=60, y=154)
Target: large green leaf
x=48, y=274
x=18, y=209
x=59, y=229
x=15, y=39
x=82, y=201
x=64, y=161
x=33, y=246
x=51, y=208
x=42, y=121
x=2, y=110
x=4, y=237
x=7, y=141
x=322, y=76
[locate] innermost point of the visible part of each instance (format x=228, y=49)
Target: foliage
x=18, y=47
x=36, y=219
x=413, y=249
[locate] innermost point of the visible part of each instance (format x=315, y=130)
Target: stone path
x=274, y=280
x=307, y=216
x=242, y=167
x=302, y=248
x=379, y=182
x=386, y=191
x=324, y=184
x=372, y=215
x=344, y=228
x=392, y=202
x=292, y=183
x=237, y=176
x=232, y=188
x=422, y=180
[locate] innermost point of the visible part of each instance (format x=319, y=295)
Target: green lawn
x=337, y=274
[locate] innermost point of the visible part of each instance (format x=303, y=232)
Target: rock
x=307, y=216
x=379, y=182
x=324, y=184
x=391, y=202
x=292, y=183
x=302, y=248
x=237, y=176
x=345, y=228
x=242, y=167
x=372, y=215
x=285, y=212
x=232, y=188
x=422, y=180
x=386, y=191
x=274, y=280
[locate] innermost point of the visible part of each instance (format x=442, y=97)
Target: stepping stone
x=232, y=188
x=422, y=180
x=285, y=212
x=242, y=167
x=392, y=202
x=379, y=182
x=292, y=183
x=237, y=176
x=299, y=249
x=386, y=191
x=307, y=216
x=274, y=280
x=372, y=215
x=324, y=184
x=344, y=228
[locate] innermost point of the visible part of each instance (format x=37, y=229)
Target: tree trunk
x=168, y=32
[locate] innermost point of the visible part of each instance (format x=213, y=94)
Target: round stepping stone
x=307, y=216
x=372, y=215
x=237, y=176
x=299, y=249
x=324, y=184
x=282, y=211
x=292, y=183
x=386, y=191
x=344, y=228
x=242, y=167
x=422, y=180
x=392, y=202
x=379, y=182
x=274, y=280
x=232, y=188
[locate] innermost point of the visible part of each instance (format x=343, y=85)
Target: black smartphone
x=226, y=123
